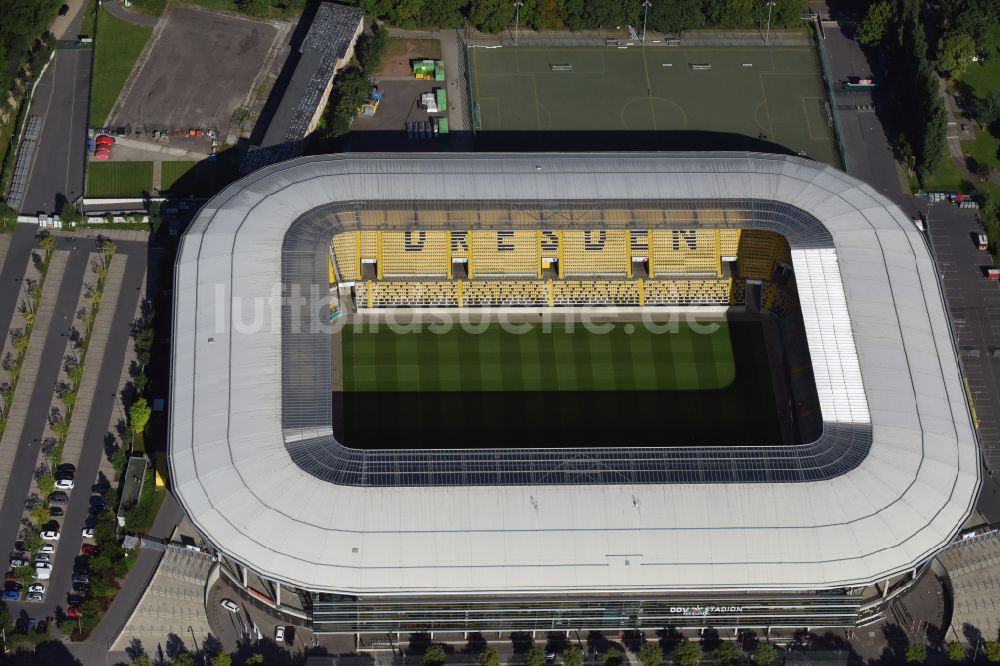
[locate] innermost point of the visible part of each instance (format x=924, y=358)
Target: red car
x=104, y=140
x=102, y=155
x=88, y=549
x=73, y=611
x=9, y=577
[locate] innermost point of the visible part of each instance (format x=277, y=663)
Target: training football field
x=629, y=357
x=771, y=94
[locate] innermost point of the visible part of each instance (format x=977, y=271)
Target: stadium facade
x=815, y=533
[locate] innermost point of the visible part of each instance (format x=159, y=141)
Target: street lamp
x=770, y=5
x=646, y=4
x=517, y=17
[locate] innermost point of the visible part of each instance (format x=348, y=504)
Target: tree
x=489, y=657
x=727, y=653
x=955, y=52
x=254, y=659
x=138, y=415
x=613, y=657
x=572, y=656
x=916, y=653
x=675, y=16
x=184, y=659
x=371, y=49
x=221, y=659
x=255, y=8
x=875, y=25
x=435, y=656
x=993, y=652
x=8, y=216
x=142, y=660
x=535, y=656
x=956, y=652
x=764, y=654
x=491, y=15
x=987, y=108
x=687, y=653
x=70, y=214
x=650, y=654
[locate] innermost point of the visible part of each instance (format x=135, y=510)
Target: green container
x=441, y=96
x=442, y=125
x=439, y=70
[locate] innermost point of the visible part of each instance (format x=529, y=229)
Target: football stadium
x=462, y=393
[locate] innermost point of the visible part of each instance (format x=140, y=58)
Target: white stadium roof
x=878, y=333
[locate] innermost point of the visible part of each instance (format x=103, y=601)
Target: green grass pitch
x=775, y=94
x=537, y=360
x=119, y=179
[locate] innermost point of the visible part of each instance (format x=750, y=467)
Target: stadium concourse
x=881, y=473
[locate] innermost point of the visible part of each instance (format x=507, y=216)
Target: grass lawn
x=183, y=177
x=117, y=45
x=985, y=149
x=401, y=51
x=947, y=178
x=982, y=78
x=119, y=179
x=537, y=360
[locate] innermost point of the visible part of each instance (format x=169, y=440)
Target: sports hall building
x=877, y=466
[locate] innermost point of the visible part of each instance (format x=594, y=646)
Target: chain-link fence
x=833, y=117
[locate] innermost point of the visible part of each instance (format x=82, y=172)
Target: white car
x=36, y=588
x=279, y=634
x=87, y=533
x=50, y=535
x=42, y=557
x=43, y=571
x=230, y=606
x=64, y=484
x=47, y=548
x=34, y=596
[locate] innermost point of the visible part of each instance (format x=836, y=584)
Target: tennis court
x=771, y=94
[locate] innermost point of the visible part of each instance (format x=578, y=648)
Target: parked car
x=9, y=576
x=13, y=585
x=74, y=599
x=102, y=156
x=87, y=533
x=64, y=484
x=88, y=549
x=36, y=587
x=47, y=548
x=64, y=10
x=16, y=562
x=58, y=497
x=42, y=557
x=34, y=596
x=50, y=535
x=43, y=571
x=81, y=588
x=55, y=511
x=230, y=606
x=11, y=595
x=73, y=611
x=279, y=634
x=81, y=578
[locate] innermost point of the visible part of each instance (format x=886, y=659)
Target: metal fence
x=834, y=116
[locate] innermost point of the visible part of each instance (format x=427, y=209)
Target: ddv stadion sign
x=705, y=610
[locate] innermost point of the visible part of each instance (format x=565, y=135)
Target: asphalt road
x=77, y=510
x=61, y=99
x=974, y=303
x=18, y=255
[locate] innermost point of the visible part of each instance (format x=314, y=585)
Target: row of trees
x=664, y=15
x=22, y=25
x=687, y=653
x=353, y=85
x=897, y=26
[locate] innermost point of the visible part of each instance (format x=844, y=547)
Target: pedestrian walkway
x=174, y=603
x=4, y=246
x=29, y=370
x=974, y=569
x=95, y=359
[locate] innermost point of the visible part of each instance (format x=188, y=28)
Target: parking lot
x=386, y=129
x=974, y=303
x=174, y=89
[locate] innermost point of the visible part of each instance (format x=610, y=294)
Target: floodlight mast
x=646, y=4
x=517, y=17
x=770, y=5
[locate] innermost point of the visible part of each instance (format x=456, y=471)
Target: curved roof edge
x=901, y=503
